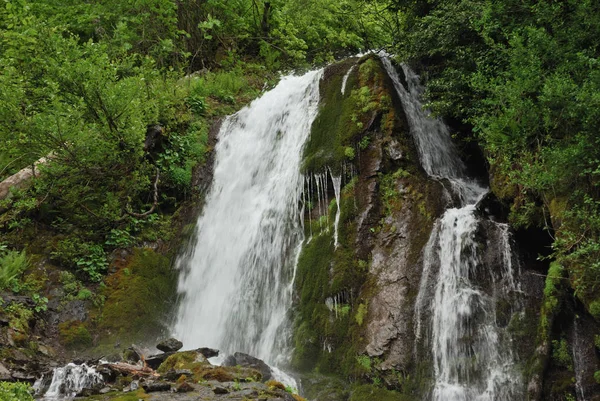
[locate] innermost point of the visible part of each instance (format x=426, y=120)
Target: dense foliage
x=112, y=101
x=524, y=78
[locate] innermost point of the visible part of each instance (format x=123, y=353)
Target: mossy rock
x=74, y=335
x=369, y=392
x=139, y=297
x=182, y=360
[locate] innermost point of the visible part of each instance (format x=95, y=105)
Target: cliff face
x=370, y=209
x=356, y=299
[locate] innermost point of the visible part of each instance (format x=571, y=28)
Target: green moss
x=341, y=120
x=138, y=297
x=561, y=355
x=594, y=309
x=140, y=394
x=369, y=392
x=361, y=313
x=180, y=360
x=74, y=335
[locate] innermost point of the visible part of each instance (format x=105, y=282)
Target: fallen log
x=132, y=370
x=21, y=179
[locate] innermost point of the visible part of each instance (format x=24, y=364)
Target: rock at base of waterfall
x=151, y=387
x=4, y=373
x=220, y=390
x=248, y=361
x=132, y=355
x=170, y=345
x=175, y=374
x=208, y=352
x=154, y=361
x=184, y=387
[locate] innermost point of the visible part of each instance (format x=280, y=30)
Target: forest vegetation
x=119, y=96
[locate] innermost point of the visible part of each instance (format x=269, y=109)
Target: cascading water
x=68, y=381
x=236, y=281
x=471, y=351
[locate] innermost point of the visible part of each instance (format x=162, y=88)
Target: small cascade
x=345, y=79
x=462, y=282
x=68, y=381
x=337, y=188
x=236, y=280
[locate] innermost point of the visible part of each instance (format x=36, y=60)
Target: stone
x=151, y=387
x=170, y=345
x=249, y=361
x=248, y=393
x=174, y=374
x=105, y=390
x=220, y=390
x=208, y=352
x=184, y=387
x=154, y=361
x=131, y=355
x=4, y=373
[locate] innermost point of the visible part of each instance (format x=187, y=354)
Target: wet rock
x=24, y=376
x=132, y=355
x=105, y=390
x=248, y=361
x=4, y=373
x=174, y=374
x=151, y=387
x=491, y=207
x=394, y=150
x=220, y=390
x=17, y=299
x=184, y=387
x=248, y=393
x=170, y=345
x=208, y=352
x=154, y=361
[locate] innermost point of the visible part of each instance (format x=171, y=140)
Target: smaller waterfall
x=345, y=80
x=462, y=282
x=337, y=189
x=69, y=380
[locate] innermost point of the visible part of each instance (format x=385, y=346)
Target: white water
x=337, y=190
x=345, y=79
x=236, y=283
x=70, y=380
x=472, y=357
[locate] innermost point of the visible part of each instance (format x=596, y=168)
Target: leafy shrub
x=15, y=392
x=561, y=355
x=12, y=264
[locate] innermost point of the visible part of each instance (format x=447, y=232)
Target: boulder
x=4, y=373
x=208, y=352
x=170, y=345
x=245, y=360
x=154, y=361
x=151, y=387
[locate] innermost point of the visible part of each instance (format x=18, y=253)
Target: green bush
x=15, y=392
x=12, y=264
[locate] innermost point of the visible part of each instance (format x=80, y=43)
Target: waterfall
x=460, y=290
x=345, y=79
x=337, y=189
x=68, y=381
x=235, y=281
